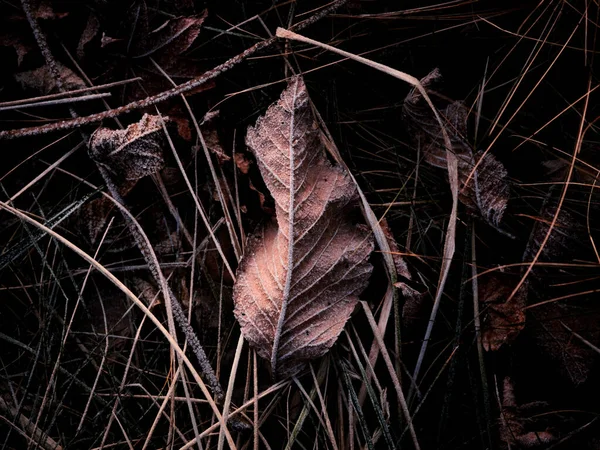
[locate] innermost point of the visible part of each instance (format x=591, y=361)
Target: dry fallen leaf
x=502, y=320
x=44, y=10
x=484, y=191
x=414, y=304
x=301, y=275
x=169, y=40
x=242, y=163
x=43, y=81
x=552, y=324
x=132, y=153
x=91, y=30
x=211, y=137
x=21, y=45
x=512, y=422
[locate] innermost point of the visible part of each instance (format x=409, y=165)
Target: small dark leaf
x=89, y=33
x=169, y=40
x=484, y=187
x=19, y=43
x=44, y=10
x=515, y=428
x=301, y=274
x=132, y=153
x=211, y=138
x=553, y=324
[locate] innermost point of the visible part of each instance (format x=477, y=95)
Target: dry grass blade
x=83, y=98
x=300, y=278
x=36, y=101
x=137, y=301
x=163, y=96
x=30, y=430
x=484, y=191
x=132, y=153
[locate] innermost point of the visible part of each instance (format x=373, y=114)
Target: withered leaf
x=132, y=153
x=485, y=190
x=91, y=30
x=45, y=11
x=242, y=163
x=20, y=44
x=170, y=39
x=413, y=307
x=566, y=236
x=43, y=81
x=211, y=137
x=503, y=319
x=302, y=273
x=553, y=324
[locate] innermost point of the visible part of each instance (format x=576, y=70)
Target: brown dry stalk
x=166, y=95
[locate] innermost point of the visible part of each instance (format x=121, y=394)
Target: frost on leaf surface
x=132, y=153
x=302, y=272
x=484, y=187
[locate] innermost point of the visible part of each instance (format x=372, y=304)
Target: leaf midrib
x=290, y=256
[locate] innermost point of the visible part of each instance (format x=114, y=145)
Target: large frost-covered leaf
x=484, y=187
x=302, y=273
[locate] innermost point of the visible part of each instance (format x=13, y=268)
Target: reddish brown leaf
x=91, y=30
x=43, y=81
x=170, y=39
x=301, y=275
x=211, y=137
x=132, y=153
x=242, y=163
x=262, y=199
x=502, y=320
x=413, y=299
x=485, y=190
x=513, y=430
x=20, y=44
x=45, y=11
x=93, y=218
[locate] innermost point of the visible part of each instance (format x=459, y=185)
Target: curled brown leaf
x=170, y=39
x=91, y=30
x=132, y=153
x=484, y=187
